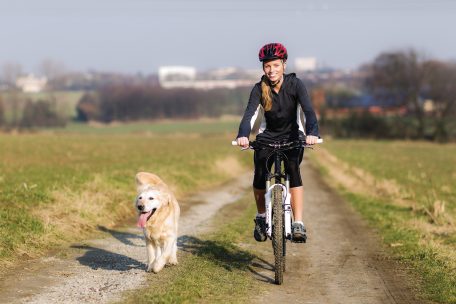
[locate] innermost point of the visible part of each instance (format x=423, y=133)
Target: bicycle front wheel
x=277, y=233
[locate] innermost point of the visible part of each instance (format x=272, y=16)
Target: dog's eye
x=140, y=197
x=151, y=198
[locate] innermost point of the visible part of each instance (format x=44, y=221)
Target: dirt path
x=99, y=271
x=342, y=261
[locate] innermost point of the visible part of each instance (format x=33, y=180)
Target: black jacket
x=284, y=120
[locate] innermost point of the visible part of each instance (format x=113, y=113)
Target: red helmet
x=273, y=51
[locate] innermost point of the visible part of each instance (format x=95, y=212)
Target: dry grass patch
x=230, y=166
x=360, y=181
x=73, y=212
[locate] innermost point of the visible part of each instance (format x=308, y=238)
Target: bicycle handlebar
x=234, y=143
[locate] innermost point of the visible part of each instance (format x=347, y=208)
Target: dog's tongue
x=142, y=220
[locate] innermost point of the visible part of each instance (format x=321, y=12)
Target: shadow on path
x=97, y=258
x=124, y=237
x=226, y=255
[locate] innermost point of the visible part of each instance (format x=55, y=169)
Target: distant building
x=176, y=73
x=305, y=64
x=31, y=84
x=187, y=77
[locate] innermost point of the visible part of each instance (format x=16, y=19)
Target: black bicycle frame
x=278, y=174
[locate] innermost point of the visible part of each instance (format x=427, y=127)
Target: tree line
x=424, y=88
x=125, y=103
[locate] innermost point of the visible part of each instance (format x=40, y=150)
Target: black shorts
x=294, y=160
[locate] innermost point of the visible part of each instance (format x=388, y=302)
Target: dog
x=158, y=216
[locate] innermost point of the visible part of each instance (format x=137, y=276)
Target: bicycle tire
x=284, y=247
x=277, y=234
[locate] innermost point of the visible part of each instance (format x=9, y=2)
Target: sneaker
x=259, y=233
x=298, y=232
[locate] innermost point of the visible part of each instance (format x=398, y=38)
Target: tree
x=399, y=76
x=441, y=89
x=10, y=72
x=52, y=69
x=40, y=114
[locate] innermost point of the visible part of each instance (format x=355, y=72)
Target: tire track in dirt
x=99, y=271
x=342, y=262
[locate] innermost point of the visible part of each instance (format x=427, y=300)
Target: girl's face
x=274, y=69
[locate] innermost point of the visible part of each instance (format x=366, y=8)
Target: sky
x=138, y=36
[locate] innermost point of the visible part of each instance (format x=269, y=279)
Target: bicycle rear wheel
x=277, y=233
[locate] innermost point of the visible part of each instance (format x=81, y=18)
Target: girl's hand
x=311, y=140
x=243, y=142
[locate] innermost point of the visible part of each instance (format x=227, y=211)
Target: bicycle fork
x=286, y=203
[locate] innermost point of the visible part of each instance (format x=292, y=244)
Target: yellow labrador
x=158, y=216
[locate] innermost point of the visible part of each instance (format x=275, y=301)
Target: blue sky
x=139, y=36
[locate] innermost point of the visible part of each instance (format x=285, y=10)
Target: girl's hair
x=266, y=94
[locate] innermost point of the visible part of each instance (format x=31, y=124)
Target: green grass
x=425, y=170
x=212, y=268
x=54, y=182
x=201, y=127
x=426, y=173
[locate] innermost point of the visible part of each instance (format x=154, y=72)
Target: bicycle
x=279, y=214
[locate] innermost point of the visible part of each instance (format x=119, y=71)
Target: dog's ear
x=146, y=178
x=139, y=178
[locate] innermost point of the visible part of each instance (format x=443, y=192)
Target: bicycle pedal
x=303, y=240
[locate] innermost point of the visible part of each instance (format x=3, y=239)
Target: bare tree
x=52, y=69
x=399, y=76
x=10, y=72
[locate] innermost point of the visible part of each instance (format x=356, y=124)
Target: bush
x=40, y=114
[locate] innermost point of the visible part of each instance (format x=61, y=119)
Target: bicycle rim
x=277, y=234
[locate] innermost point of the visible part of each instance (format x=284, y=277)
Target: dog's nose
x=140, y=207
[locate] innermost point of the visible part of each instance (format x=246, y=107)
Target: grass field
x=407, y=191
x=200, y=127
x=56, y=187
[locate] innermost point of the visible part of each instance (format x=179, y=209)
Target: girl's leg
x=259, y=179
x=297, y=201
x=296, y=188
x=259, y=199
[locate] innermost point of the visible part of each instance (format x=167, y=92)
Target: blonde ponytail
x=266, y=94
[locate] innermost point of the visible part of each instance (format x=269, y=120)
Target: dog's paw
x=149, y=267
x=158, y=266
x=172, y=261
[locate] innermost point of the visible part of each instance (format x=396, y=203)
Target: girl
x=280, y=99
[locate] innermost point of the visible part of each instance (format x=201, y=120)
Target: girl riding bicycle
x=280, y=99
